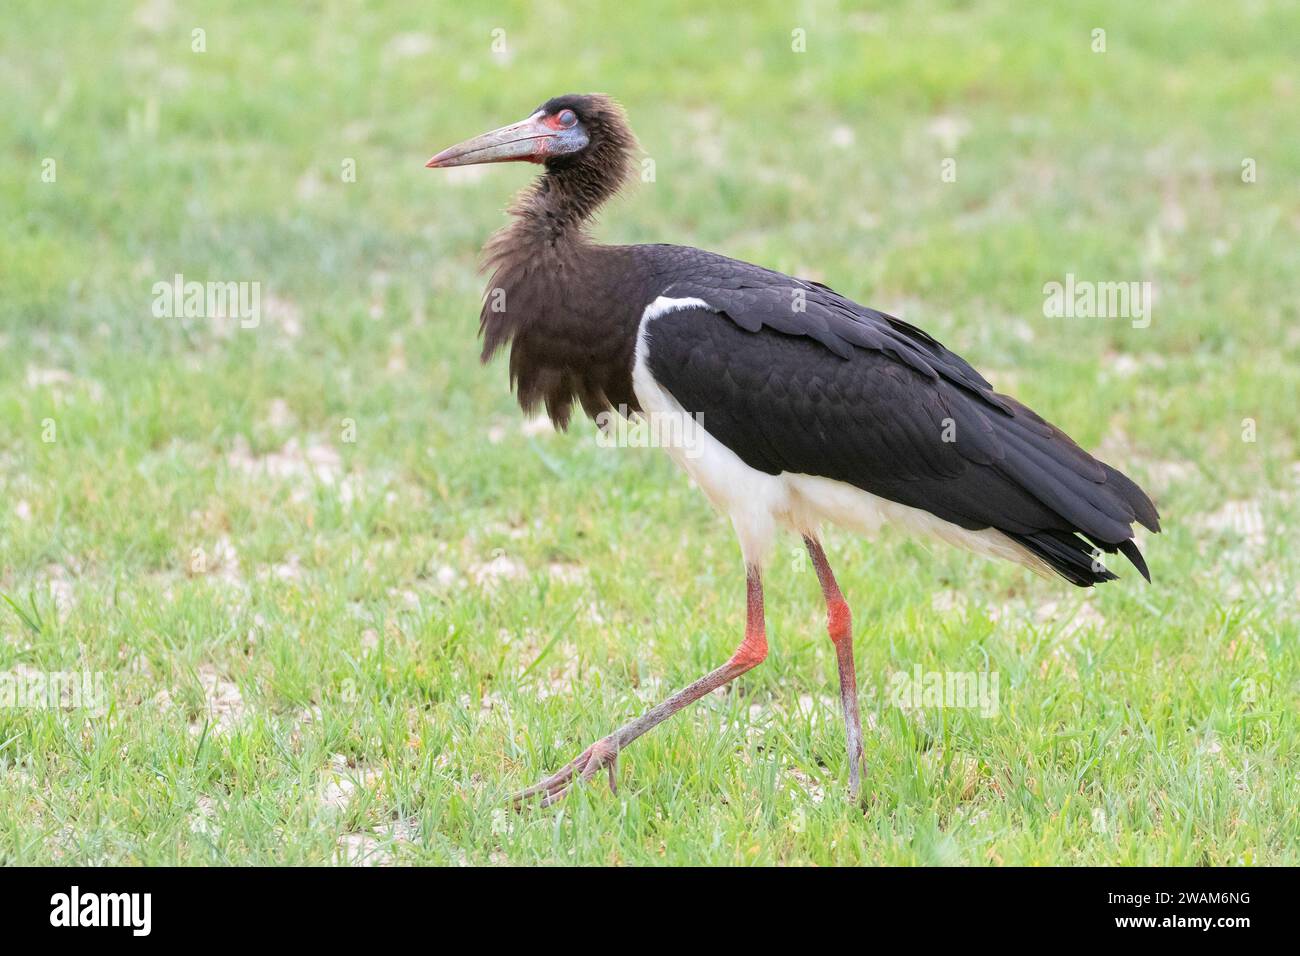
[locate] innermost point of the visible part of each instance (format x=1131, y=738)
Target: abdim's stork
x=813, y=408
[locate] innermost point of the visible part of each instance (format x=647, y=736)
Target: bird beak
x=528, y=141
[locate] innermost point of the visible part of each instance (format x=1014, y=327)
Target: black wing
x=794, y=377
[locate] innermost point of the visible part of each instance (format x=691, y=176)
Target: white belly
x=758, y=504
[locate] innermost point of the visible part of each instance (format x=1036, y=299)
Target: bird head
x=562, y=132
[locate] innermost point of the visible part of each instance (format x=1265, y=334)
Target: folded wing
x=793, y=377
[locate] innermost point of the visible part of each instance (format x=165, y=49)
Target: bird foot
x=603, y=753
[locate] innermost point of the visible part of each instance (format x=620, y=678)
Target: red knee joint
x=839, y=621
x=751, y=652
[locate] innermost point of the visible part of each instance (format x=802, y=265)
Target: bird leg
x=604, y=752
x=839, y=624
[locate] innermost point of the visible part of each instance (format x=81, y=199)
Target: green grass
x=317, y=649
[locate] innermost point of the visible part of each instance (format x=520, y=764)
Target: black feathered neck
x=553, y=210
x=555, y=294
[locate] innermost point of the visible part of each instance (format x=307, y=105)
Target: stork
x=812, y=409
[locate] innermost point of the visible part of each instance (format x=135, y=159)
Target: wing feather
x=796, y=378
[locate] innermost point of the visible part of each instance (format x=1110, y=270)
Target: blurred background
x=344, y=598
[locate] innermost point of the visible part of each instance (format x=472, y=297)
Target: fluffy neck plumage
x=547, y=233
x=551, y=214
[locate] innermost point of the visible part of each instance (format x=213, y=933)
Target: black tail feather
x=1075, y=559
x=1130, y=551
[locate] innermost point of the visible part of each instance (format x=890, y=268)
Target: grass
x=318, y=649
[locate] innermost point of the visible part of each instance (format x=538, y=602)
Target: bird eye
x=567, y=118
